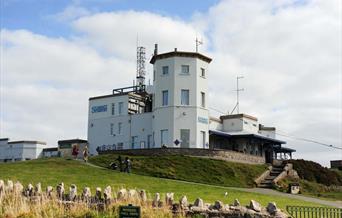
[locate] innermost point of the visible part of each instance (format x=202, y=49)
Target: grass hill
x=56, y=170
x=193, y=169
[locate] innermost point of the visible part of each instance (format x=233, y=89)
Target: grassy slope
x=208, y=171
x=53, y=171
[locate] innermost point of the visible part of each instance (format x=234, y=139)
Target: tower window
x=185, y=97
x=165, y=70
x=165, y=99
x=202, y=72
x=119, y=128
x=120, y=107
x=202, y=99
x=113, y=109
x=112, y=129
x=185, y=69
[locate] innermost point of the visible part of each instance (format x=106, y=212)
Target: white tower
x=180, y=111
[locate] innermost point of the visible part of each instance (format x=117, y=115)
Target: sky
x=55, y=54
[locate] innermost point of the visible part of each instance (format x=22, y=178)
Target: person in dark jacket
x=119, y=159
x=128, y=165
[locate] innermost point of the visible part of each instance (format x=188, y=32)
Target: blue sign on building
x=97, y=109
x=203, y=120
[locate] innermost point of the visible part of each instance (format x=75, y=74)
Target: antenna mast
x=237, y=106
x=141, y=71
x=198, y=43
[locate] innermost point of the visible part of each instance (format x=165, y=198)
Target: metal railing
x=314, y=212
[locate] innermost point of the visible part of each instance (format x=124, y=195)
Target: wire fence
x=314, y=212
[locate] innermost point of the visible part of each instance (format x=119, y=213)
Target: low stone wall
x=211, y=153
x=104, y=199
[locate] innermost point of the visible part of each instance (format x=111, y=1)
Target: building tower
x=180, y=111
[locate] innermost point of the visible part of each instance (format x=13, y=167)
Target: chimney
x=155, y=49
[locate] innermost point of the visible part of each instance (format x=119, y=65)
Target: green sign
x=129, y=211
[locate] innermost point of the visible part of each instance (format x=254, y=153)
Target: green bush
x=314, y=172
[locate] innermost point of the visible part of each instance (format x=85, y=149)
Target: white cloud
x=289, y=53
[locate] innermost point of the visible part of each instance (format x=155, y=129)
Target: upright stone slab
x=122, y=194
x=38, y=189
x=255, y=206
x=60, y=191
x=107, y=194
x=18, y=188
x=98, y=194
x=86, y=194
x=183, y=202
x=73, y=192
x=199, y=203
x=156, y=200
x=29, y=190
x=2, y=187
x=143, y=196
x=10, y=186
x=49, y=191
x=169, y=199
x=272, y=208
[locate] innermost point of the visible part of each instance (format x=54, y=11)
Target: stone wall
x=209, y=153
x=102, y=200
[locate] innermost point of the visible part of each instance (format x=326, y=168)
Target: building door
x=149, y=141
x=203, y=139
x=185, y=138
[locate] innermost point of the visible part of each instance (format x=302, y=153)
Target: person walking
x=119, y=159
x=128, y=165
x=85, y=154
x=74, y=151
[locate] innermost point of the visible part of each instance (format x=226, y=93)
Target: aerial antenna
x=141, y=59
x=198, y=43
x=237, y=106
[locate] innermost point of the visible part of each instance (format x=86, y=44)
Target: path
x=264, y=191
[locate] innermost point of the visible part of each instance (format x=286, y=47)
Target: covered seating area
x=250, y=143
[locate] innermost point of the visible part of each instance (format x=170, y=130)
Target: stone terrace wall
x=209, y=153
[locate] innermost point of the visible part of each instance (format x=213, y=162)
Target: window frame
x=165, y=100
x=120, y=108
x=203, y=99
x=187, y=101
x=165, y=73
x=182, y=67
x=119, y=128
x=203, y=72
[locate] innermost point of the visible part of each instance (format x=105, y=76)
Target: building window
x=185, y=69
x=202, y=72
x=165, y=70
x=120, y=107
x=203, y=139
x=164, y=135
x=119, y=146
x=112, y=128
x=185, y=97
x=119, y=128
x=134, y=142
x=113, y=109
x=154, y=75
x=202, y=99
x=245, y=122
x=165, y=98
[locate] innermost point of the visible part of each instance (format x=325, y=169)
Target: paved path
x=264, y=191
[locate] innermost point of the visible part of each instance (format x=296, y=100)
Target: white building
x=20, y=150
x=173, y=112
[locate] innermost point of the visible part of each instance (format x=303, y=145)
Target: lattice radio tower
x=141, y=70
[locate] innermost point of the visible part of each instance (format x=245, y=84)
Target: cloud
x=288, y=51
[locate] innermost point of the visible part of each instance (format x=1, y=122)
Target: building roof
x=70, y=141
x=180, y=54
x=284, y=149
x=245, y=134
x=266, y=128
x=233, y=116
x=4, y=139
x=50, y=149
x=27, y=142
